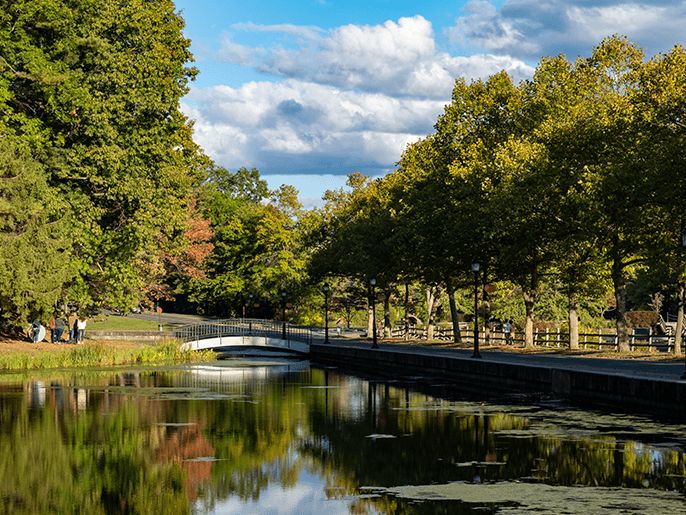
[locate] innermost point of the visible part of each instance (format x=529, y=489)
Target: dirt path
x=12, y=345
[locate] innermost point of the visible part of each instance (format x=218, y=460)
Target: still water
x=257, y=437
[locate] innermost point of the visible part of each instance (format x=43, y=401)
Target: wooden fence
x=601, y=339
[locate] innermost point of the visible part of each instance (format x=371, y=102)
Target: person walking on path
x=506, y=331
x=71, y=320
x=58, y=330
x=81, y=326
x=512, y=332
x=339, y=325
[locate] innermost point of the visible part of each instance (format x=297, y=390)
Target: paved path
x=665, y=370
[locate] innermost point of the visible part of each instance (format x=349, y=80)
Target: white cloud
x=535, y=28
x=285, y=28
x=265, y=121
x=396, y=59
x=350, y=98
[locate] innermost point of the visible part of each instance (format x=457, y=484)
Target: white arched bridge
x=244, y=332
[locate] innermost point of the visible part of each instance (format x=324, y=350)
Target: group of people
x=76, y=325
x=509, y=331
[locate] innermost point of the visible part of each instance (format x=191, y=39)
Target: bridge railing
x=242, y=327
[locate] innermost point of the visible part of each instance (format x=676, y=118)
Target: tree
x=34, y=242
x=92, y=89
x=256, y=246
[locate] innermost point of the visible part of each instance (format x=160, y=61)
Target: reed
x=97, y=354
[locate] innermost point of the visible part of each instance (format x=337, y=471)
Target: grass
x=98, y=355
x=115, y=323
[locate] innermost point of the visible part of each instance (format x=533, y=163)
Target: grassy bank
x=96, y=354
x=115, y=323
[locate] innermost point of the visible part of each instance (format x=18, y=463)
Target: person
x=51, y=325
x=35, y=328
x=512, y=332
x=506, y=331
x=81, y=326
x=58, y=330
x=72, y=327
x=339, y=325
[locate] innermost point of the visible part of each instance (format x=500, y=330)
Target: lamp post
x=372, y=283
x=475, y=268
x=326, y=313
x=283, y=308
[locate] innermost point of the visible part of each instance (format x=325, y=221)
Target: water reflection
x=282, y=437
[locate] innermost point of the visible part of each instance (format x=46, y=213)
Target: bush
x=644, y=319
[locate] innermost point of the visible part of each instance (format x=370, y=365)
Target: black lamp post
x=372, y=283
x=326, y=313
x=475, y=268
x=283, y=308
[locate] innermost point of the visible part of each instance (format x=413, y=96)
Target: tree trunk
x=407, y=312
x=430, y=301
x=387, y=313
x=370, y=317
x=574, y=320
x=433, y=296
x=529, y=304
x=620, y=298
x=487, y=311
x=681, y=286
x=454, y=316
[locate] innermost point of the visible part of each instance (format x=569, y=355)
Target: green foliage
x=34, y=240
x=91, y=90
x=257, y=244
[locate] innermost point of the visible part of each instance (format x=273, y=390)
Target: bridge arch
x=241, y=332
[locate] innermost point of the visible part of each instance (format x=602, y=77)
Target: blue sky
x=307, y=91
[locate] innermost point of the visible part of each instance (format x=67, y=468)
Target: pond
x=283, y=437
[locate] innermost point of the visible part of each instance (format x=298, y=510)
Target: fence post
x=650, y=339
x=558, y=336
x=546, y=337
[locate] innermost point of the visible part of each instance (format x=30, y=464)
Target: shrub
x=644, y=319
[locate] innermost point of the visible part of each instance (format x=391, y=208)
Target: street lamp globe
x=476, y=266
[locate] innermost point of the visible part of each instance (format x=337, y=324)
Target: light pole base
x=476, y=355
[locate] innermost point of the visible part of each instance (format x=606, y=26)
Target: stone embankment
x=625, y=384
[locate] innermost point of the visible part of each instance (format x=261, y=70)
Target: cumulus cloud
x=529, y=29
x=350, y=97
x=301, y=125
x=396, y=59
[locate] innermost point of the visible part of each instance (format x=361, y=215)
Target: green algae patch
x=514, y=497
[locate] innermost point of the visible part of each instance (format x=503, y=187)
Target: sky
x=308, y=91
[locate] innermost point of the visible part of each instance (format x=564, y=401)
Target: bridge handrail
x=242, y=327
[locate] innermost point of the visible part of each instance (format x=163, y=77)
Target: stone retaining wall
x=626, y=393
x=130, y=336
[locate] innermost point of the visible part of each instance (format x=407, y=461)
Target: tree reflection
x=154, y=443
